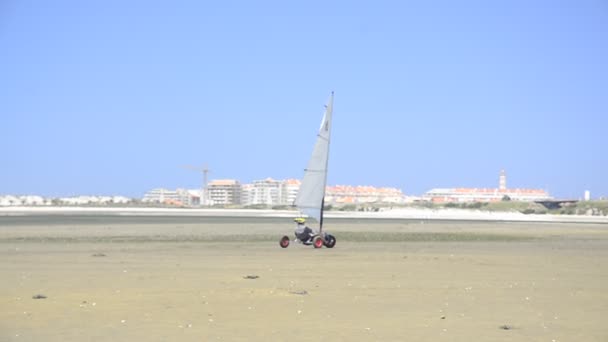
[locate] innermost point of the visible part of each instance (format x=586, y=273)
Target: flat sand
x=109, y=278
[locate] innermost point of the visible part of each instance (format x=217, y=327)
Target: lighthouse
x=502, y=181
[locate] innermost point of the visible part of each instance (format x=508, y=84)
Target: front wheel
x=317, y=242
x=330, y=241
x=284, y=243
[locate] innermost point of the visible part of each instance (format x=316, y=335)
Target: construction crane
x=204, y=191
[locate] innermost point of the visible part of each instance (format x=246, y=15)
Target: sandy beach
x=194, y=278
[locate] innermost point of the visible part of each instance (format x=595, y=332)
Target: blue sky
x=113, y=97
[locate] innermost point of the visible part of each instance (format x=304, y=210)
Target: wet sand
x=185, y=278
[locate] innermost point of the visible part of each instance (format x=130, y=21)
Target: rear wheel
x=317, y=242
x=330, y=241
x=284, y=241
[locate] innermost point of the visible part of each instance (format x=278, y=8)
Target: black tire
x=284, y=242
x=330, y=241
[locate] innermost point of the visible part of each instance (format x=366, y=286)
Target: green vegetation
x=283, y=207
x=468, y=205
x=597, y=208
x=361, y=207
x=513, y=206
x=257, y=206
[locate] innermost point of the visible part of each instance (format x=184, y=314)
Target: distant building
x=159, y=195
x=9, y=200
x=270, y=192
x=502, y=181
x=178, y=197
x=347, y=194
x=446, y=195
x=33, y=200
x=266, y=191
x=246, y=194
x=224, y=192
x=26, y=200
x=284, y=192
x=289, y=191
x=87, y=200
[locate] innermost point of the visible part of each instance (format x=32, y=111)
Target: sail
x=312, y=190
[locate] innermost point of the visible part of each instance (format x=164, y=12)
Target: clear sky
x=113, y=97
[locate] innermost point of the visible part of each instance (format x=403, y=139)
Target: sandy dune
x=176, y=278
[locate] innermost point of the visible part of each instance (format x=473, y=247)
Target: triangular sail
x=312, y=190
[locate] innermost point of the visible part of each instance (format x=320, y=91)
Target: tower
x=204, y=199
x=502, y=181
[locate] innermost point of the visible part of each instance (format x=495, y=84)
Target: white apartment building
x=224, y=192
x=266, y=191
x=289, y=191
x=270, y=192
x=173, y=197
x=246, y=194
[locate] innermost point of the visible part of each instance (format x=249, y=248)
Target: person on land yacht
x=302, y=232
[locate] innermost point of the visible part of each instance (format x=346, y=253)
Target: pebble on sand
x=301, y=293
x=253, y=276
x=39, y=296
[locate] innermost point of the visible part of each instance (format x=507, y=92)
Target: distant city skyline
x=283, y=192
x=435, y=194
x=114, y=97
x=501, y=184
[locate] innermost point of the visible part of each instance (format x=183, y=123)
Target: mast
x=321, y=220
x=328, y=129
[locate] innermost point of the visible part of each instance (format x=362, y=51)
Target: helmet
x=299, y=220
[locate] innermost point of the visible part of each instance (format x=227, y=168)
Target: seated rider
x=303, y=233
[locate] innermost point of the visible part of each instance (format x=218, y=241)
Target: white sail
x=312, y=190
